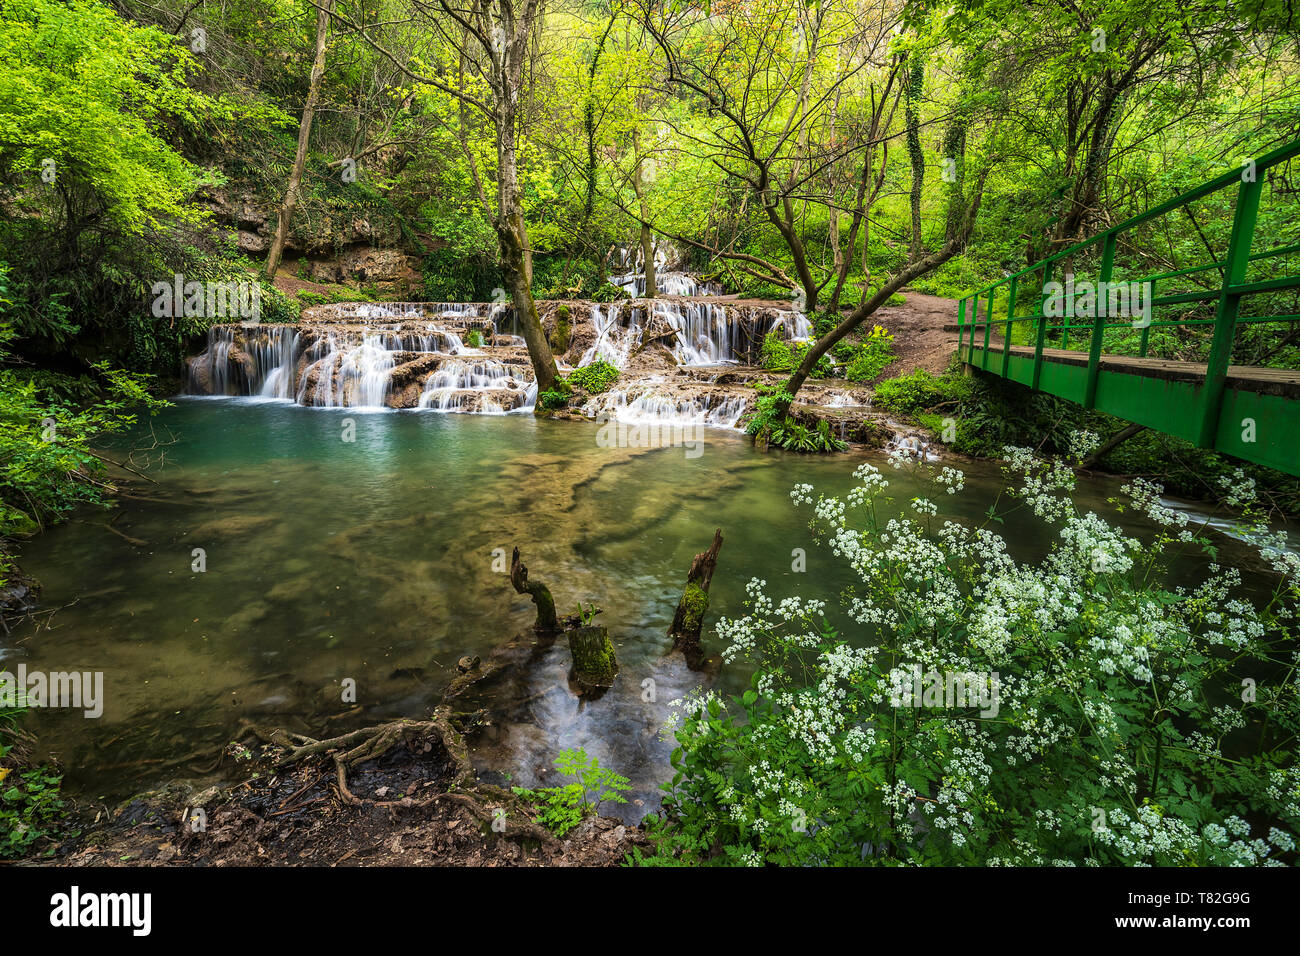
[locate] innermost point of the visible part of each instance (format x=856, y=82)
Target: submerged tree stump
x=689, y=619
x=594, y=663
x=540, y=594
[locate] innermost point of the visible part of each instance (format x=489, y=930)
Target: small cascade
x=632, y=281
x=794, y=324
x=614, y=343
x=702, y=333
x=209, y=373
x=273, y=358
x=910, y=446
x=487, y=387
x=347, y=376
x=246, y=360
x=706, y=333
x=648, y=406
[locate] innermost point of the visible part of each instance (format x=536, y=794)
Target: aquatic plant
x=772, y=424
x=1078, y=709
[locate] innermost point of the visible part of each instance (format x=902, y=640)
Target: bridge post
x=1042, y=326
x=988, y=329
x=1225, y=319
x=961, y=326
x=1146, y=329
x=1006, y=339
x=1102, y=308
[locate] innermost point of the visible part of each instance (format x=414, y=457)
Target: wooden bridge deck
x=1258, y=415
x=1271, y=381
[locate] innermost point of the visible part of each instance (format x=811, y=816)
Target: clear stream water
x=373, y=560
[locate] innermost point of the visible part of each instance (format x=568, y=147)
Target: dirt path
x=920, y=338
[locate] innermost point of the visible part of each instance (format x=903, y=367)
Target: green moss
x=695, y=602
x=560, y=339
x=594, y=662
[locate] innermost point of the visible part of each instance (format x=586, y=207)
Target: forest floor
x=416, y=802
x=297, y=818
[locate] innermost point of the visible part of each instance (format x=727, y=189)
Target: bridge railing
x=998, y=304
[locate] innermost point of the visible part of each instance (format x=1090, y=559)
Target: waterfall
x=265, y=366
x=706, y=334
x=614, y=344
x=648, y=407
x=487, y=387
x=796, y=325
x=666, y=283
x=274, y=356
x=346, y=376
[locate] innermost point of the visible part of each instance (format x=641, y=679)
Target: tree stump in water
x=689, y=619
x=594, y=663
x=540, y=594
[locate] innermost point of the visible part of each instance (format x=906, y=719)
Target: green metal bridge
x=1249, y=412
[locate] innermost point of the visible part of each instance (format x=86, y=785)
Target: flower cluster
x=1121, y=696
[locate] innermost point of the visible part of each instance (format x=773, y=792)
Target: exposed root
x=370, y=743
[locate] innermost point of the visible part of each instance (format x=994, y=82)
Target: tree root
x=369, y=743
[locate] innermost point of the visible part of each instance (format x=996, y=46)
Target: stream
x=373, y=559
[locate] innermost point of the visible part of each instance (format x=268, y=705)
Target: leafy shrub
x=776, y=354
x=556, y=397
x=870, y=358
x=608, y=292
x=1110, y=728
x=474, y=339
x=564, y=807
x=31, y=807
x=779, y=355
x=920, y=391
x=49, y=421
x=595, y=378
x=772, y=424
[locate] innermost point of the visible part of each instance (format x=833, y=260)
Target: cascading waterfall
x=666, y=283
x=270, y=352
x=646, y=406
x=348, y=376
x=334, y=365
x=273, y=358
x=706, y=334
x=614, y=343
x=796, y=325
x=474, y=387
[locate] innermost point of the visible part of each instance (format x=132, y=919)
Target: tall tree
x=501, y=34
x=285, y=215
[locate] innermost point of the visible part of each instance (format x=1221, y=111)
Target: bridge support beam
x=1225, y=319
x=1102, y=308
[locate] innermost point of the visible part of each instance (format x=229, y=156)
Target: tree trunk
x=647, y=235
x=785, y=225
x=516, y=262
x=915, y=85
x=689, y=619
x=1121, y=436
x=304, y=136
x=648, y=261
